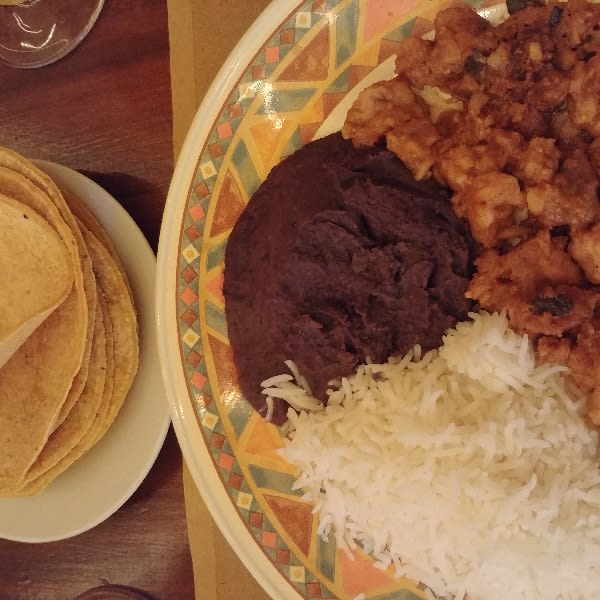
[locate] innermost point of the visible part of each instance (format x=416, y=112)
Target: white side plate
x=99, y=483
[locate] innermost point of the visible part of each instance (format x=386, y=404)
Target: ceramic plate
x=291, y=79
x=95, y=486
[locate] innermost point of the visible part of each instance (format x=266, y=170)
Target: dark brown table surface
x=105, y=110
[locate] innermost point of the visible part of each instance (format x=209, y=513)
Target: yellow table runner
x=202, y=34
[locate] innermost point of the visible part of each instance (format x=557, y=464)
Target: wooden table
x=105, y=110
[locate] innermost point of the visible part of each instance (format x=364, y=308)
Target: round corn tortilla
x=33, y=386
x=122, y=315
x=22, y=178
x=90, y=293
x=55, y=210
x=44, y=437
x=38, y=377
x=21, y=189
x=85, y=217
x=65, y=437
x=122, y=355
x=90, y=436
x=88, y=222
x=36, y=273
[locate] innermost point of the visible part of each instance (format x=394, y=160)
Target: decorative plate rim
x=196, y=454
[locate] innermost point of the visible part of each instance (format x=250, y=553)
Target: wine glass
x=34, y=33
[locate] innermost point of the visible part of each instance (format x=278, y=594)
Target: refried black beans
x=341, y=257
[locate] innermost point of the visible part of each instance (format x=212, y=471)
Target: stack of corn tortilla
x=68, y=329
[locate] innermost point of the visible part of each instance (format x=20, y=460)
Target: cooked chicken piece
x=542, y=260
x=538, y=161
x=525, y=281
x=532, y=163
x=413, y=61
x=412, y=143
x=376, y=109
x=460, y=160
x=567, y=135
x=507, y=146
x=460, y=34
x=382, y=107
x=488, y=202
x=583, y=95
x=584, y=365
x=562, y=309
x=522, y=78
x=582, y=356
x=571, y=198
x=459, y=164
x=553, y=349
x=527, y=23
x=585, y=249
x=575, y=25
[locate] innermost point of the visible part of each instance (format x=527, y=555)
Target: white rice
x=471, y=469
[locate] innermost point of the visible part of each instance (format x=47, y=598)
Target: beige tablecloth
x=202, y=34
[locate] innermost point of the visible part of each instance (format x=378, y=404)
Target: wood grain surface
x=105, y=110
